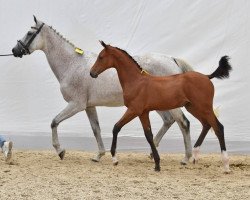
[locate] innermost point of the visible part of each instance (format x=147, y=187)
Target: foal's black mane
x=130, y=57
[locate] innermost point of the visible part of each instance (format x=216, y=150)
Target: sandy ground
x=41, y=175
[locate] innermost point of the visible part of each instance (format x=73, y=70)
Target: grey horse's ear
x=103, y=44
x=35, y=18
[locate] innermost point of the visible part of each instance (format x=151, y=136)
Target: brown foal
x=143, y=93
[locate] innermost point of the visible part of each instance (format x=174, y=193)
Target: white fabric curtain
x=198, y=31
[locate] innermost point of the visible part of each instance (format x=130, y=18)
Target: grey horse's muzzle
x=17, y=51
x=23, y=49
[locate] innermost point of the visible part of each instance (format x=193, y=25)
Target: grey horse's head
x=31, y=41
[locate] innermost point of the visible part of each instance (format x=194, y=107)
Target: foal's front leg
x=144, y=118
x=127, y=117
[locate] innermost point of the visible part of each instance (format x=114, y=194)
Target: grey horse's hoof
x=94, y=160
x=151, y=156
x=62, y=154
x=97, y=157
x=183, y=163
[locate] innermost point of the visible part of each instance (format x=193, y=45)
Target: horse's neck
x=128, y=73
x=59, y=54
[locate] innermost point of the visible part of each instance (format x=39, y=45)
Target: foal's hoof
x=228, y=171
x=115, y=161
x=195, y=161
x=62, y=154
x=157, y=169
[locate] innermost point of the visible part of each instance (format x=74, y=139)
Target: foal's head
x=105, y=60
x=31, y=41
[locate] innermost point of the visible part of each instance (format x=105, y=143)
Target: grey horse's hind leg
x=66, y=113
x=94, y=122
x=184, y=125
x=168, y=120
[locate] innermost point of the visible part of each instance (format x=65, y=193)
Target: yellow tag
x=78, y=50
x=144, y=71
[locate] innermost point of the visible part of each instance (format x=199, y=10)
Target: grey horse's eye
x=29, y=33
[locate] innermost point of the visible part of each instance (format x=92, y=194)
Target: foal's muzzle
x=93, y=74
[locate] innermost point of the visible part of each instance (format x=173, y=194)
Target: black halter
x=25, y=47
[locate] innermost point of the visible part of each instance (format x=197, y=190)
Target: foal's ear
x=35, y=19
x=103, y=44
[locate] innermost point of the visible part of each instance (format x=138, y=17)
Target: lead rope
x=6, y=55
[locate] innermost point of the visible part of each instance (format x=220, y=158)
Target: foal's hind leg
x=211, y=119
x=149, y=136
x=196, y=149
x=94, y=122
x=202, y=117
x=219, y=131
x=68, y=112
x=208, y=117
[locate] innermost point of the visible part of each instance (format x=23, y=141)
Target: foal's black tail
x=223, y=70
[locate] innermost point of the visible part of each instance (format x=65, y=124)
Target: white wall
x=198, y=31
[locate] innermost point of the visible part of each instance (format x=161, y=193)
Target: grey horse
x=71, y=67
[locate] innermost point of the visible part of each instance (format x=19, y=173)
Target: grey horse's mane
x=61, y=36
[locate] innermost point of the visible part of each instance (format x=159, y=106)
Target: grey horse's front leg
x=66, y=113
x=94, y=122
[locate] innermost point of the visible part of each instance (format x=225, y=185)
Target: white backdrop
x=198, y=31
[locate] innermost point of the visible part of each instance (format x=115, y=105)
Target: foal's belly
x=165, y=99
x=112, y=100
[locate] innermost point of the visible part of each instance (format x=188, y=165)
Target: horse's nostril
x=93, y=75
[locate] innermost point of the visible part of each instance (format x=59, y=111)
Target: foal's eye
x=100, y=57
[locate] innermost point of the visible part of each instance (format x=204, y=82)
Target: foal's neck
x=128, y=71
x=59, y=53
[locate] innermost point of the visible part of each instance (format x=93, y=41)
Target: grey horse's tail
x=185, y=67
